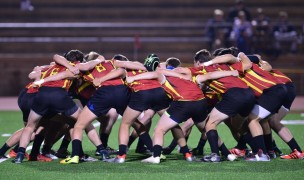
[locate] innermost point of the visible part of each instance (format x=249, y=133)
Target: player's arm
x=183, y=70
x=147, y=75
x=119, y=72
x=36, y=73
x=64, y=62
x=55, y=77
x=174, y=74
x=229, y=58
x=129, y=65
x=90, y=65
x=215, y=75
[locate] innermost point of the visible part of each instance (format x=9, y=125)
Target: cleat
x=143, y=150
x=213, y=157
x=3, y=157
x=19, y=158
x=13, y=154
x=87, y=158
x=109, y=150
x=52, y=156
x=232, y=157
x=189, y=157
x=277, y=151
x=104, y=154
x=70, y=160
x=272, y=154
x=293, y=155
x=162, y=157
x=238, y=152
x=260, y=156
x=167, y=150
x=152, y=160
x=197, y=151
x=40, y=158
x=62, y=153
x=117, y=159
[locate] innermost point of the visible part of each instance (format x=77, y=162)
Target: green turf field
x=173, y=168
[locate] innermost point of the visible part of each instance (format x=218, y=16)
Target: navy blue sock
x=104, y=139
x=36, y=145
x=76, y=146
x=146, y=139
x=157, y=150
x=212, y=137
x=122, y=149
x=3, y=149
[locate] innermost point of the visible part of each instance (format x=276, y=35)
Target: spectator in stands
x=234, y=11
x=217, y=30
x=284, y=32
x=26, y=5
x=261, y=32
x=241, y=33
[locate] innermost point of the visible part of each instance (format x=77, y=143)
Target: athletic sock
x=104, y=139
x=157, y=150
x=76, y=146
x=201, y=143
x=294, y=145
x=146, y=139
x=36, y=145
x=16, y=147
x=131, y=140
x=212, y=137
x=64, y=143
x=173, y=144
x=259, y=143
x=100, y=147
x=122, y=149
x=268, y=142
x=21, y=149
x=184, y=150
x=242, y=142
x=3, y=149
x=140, y=145
x=224, y=150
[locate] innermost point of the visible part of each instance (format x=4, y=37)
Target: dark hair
x=217, y=51
x=172, y=63
x=232, y=50
x=120, y=57
x=202, y=56
x=151, y=62
x=74, y=55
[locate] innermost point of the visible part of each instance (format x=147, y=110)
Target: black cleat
x=19, y=158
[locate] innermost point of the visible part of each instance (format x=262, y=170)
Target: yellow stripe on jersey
x=169, y=86
x=83, y=86
x=252, y=86
x=251, y=72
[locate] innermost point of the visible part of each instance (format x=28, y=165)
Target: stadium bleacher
x=134, y=28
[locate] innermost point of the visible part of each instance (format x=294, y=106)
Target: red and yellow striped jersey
x=258, y=79
x=280, y=76
x=182, y=90
x=143, y=84
x=55, y=69
x=220, y=85
x=101, y=70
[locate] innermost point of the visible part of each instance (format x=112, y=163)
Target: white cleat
x=153, y=160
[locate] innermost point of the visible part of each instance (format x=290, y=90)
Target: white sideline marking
x=6, y=135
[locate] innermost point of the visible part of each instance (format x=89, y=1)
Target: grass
x=173, y=168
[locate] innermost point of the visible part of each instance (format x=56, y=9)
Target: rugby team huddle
x=65, y=97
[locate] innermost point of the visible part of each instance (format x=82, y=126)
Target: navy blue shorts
x=107, y=97
x=25, y=102
x=155, y=99
x=181, y=111
x=290, y=96
x=53, y=99
x=236, y=101
x=272, y=98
